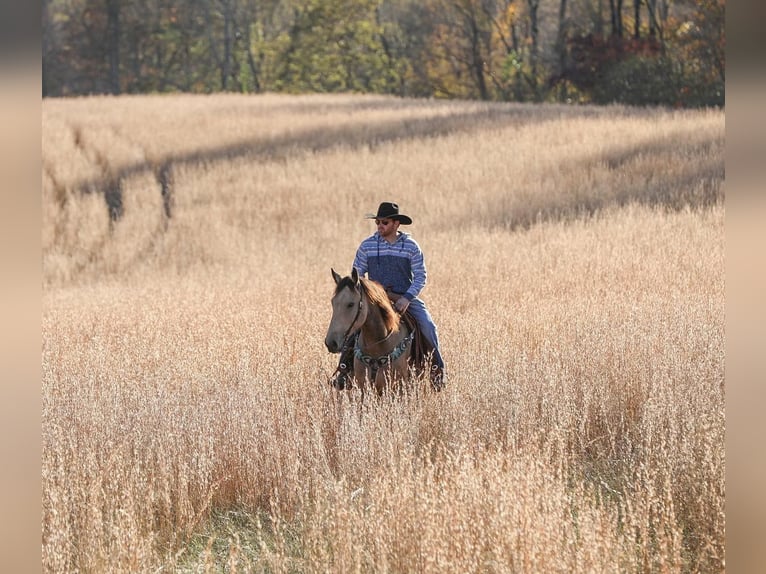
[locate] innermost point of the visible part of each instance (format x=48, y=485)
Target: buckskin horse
x=386, y=349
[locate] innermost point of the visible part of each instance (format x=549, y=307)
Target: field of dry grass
x=576, y=273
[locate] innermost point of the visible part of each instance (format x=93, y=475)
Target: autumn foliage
x=627, y=51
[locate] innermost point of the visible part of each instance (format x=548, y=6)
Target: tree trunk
x=213, y=42
x=113, y=43
x=561, y=51
x=656, y=10
x=534, y=50
x=619, y=18
x=251, y=62
x=561, y=35
x=615, y=11
x=599, y=24
x=477, y=60
x=228, y=40
x=46, y=48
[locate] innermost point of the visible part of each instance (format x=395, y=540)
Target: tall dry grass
x=575, y=263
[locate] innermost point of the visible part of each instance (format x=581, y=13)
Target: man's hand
x=401, y=304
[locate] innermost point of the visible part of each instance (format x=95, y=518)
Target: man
x=393, y=259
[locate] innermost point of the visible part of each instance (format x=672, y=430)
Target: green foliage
x=515, y=78
x=640, y=81
x=335, y=46
x=655, y=81
x=687, y=70
x=467, y=49
x=699, y=44
x=245, y=77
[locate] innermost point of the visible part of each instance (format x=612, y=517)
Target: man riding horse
x=394, y=259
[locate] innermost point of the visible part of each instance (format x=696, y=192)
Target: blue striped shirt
x=399, y=266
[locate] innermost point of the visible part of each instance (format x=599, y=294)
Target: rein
x=386, y=338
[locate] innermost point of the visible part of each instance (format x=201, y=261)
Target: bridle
x=358, y=311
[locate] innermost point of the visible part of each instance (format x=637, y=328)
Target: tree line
x=639, y=52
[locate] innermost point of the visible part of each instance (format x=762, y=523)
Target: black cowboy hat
x=388, y=210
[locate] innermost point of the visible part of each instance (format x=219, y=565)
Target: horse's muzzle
x=332, y=345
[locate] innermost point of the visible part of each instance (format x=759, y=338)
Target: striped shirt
x=399, y=266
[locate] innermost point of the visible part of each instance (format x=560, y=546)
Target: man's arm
x=360, y=261
x=419, y=273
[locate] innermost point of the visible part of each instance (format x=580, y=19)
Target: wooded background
x=639, y=52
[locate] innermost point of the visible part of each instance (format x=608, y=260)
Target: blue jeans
x=426, y=324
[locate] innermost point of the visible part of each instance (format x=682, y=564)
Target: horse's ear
x=335, y=276
x=355, y=276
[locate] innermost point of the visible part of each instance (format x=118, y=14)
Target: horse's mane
x=377, y=296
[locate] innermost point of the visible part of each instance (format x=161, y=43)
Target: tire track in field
x=312, y=141
x=60, y=198
x=110, y=185
x=110, y=181
x=696, y=181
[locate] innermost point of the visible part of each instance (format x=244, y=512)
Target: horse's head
x=348, y=310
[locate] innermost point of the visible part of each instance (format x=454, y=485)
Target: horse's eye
x=350, y=305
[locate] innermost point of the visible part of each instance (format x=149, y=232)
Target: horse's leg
x=402, y=374
x=360, y=377
x=380, y=381
x=393, y=378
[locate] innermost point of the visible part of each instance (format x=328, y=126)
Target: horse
x=383, y=348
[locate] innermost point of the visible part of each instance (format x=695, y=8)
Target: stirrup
x=339, y=378
x=437, y=377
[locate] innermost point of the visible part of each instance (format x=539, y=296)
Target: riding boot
x=346, y=364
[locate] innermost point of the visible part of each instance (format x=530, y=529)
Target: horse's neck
x=374, y=330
